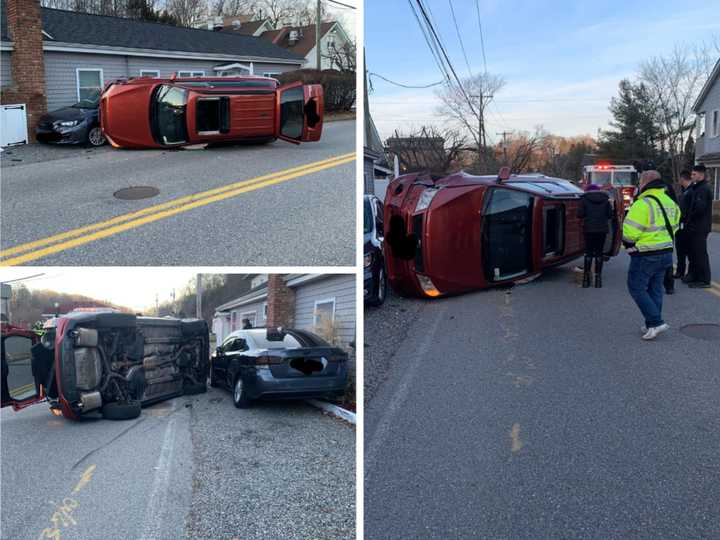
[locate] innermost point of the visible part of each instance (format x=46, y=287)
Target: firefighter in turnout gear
x=648, y=235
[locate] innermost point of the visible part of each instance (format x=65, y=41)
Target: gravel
x=276, y=470
x=385, y=327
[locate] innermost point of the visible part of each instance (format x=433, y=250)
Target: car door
x=20, y=388
x=299, y=112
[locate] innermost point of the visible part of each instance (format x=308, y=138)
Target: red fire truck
x=608, y=175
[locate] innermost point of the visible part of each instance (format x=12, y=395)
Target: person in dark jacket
x=596, y=212
x=669, y=281
x=680, y=240
x=698, y=225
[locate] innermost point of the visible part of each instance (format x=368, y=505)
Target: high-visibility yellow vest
x=644, y=224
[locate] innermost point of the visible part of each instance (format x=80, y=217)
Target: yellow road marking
x=23, y=388
x=77, y=237
x=85, y=478
x=516, y=443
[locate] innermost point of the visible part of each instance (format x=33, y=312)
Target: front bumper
x=62, y=135
x=262, y=385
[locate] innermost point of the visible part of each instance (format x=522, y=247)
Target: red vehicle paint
x=465, y=232
x=164, y=113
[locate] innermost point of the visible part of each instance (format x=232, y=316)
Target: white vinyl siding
x=338, y=288
x=89, y=83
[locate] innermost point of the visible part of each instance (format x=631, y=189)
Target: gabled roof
x=306, y=34
x=246, y=28
x=86, y=29
x=714, y=74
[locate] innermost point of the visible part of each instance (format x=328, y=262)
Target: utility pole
x=318, y=23
x=504, y=136
x=198, y=296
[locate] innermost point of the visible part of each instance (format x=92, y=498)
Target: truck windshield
x=169, y=110
x=624, y=178
x=600, y=177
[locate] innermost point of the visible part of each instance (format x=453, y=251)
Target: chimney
x=281, y=302
x=27, y=63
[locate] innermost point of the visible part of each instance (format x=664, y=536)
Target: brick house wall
x=27, y=61
x=281, y=302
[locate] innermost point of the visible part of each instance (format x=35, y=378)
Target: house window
x=324, y=314
x=233, y=321
x=700, y=131
x=250, y=317
x=89, y=84
x=264, y=311
x=271, y=73
x=715, y=123
x=150, y=73
x=190, y=73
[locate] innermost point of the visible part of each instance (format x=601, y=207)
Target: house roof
x=246, y=28
x=86, y=29
x=714, y=74
x=306, y=42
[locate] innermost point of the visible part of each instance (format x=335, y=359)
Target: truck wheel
x=121, y=410
x=240, y=397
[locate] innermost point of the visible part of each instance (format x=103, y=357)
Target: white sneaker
x=655, y=331
x=643, y=329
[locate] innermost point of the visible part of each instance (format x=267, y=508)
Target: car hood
x=67, y=113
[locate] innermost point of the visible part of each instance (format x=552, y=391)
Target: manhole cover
x=707, y=332
x=136, y=192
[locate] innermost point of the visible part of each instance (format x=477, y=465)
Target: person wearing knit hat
x=698, y=225
x=595, y=212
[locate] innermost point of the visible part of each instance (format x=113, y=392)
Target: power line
x=433, y=51
x=371, y=74
x=482, y=39
x=341, y=4
x=462, y=45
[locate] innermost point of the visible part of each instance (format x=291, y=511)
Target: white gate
x=13, y=124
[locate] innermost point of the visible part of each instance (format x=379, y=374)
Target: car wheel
x=96, y=137
x=121, y=410
x=380, y=288
x=194, y=388
x=240, y=398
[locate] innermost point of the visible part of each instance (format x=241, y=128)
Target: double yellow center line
x=37, y=249
x=714, y=289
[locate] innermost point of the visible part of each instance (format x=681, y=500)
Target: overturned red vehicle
x=95, y=361
x=462, y=232
x=163, y=113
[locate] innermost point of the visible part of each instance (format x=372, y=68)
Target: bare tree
x=188, y=12
x=674, y=81
x=427, y=149
x=466, y=109
x=343, y=58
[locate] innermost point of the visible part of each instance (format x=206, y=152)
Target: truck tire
x=121, y=410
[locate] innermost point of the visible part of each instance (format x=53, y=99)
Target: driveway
x=275, y=204
x=192, y=467
x=538, y=412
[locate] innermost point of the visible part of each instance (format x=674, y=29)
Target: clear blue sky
x=561, y=64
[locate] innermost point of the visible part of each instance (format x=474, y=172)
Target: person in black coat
x=596, y=212
x=669, y=281
x=698, y=226
x=680, y=237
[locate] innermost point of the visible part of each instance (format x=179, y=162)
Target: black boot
x=586, y=272
x=598, y=272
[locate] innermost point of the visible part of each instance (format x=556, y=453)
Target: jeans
x=645, y=283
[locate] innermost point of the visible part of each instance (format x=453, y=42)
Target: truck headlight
x=367, y=260
x=67, y=123
x=425, y=198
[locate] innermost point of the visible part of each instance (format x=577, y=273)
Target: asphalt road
x=538, y=412
x=299, y=208
x=192, y=467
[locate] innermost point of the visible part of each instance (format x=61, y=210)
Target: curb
x=346, y=415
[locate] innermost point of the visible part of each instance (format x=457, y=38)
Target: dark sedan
x=76, y=124
x=373, y=260
x=262, y=363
